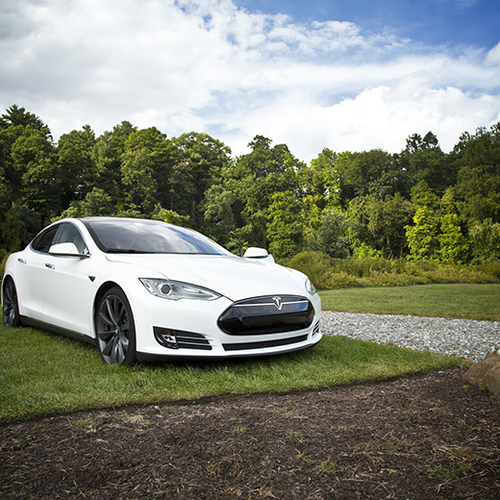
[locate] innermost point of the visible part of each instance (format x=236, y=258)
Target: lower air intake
x=242, y=346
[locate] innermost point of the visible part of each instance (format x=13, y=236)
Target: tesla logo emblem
x=277, y=303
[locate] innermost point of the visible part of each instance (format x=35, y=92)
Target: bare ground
x=425, y=437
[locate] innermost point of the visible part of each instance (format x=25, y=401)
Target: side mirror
x=66, y=250
x=257, y=253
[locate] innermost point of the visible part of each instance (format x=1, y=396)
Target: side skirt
x=55, y=329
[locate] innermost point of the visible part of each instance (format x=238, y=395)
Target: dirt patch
x=425, y=437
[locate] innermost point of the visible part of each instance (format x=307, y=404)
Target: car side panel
x=28, y=271
x=70, y=290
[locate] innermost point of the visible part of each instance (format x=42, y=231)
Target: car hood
x=234, y=277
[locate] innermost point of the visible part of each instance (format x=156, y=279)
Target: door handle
x=50, y=266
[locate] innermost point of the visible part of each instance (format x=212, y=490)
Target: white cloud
x=208, y=66
x=493, y=56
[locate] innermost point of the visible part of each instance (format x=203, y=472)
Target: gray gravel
x=458, y=337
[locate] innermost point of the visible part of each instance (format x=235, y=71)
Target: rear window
x=147, y=236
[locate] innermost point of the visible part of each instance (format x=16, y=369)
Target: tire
x=115, y=329
x=10, y=305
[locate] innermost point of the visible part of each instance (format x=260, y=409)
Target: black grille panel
x=267, y=315
x=241, y=346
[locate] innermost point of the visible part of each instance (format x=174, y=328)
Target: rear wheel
x=115, y=329
x=10, y=305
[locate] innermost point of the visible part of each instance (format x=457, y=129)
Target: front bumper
x=189, y=328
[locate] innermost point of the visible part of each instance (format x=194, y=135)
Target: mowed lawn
x=43, y=373
x=481, y=302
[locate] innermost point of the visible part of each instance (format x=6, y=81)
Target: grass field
x=42, y=373
x=480, y=302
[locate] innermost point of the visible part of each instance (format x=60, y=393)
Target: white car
x=147, y=290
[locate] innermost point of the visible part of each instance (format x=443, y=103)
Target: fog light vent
x=166, y=337
x=178, y=339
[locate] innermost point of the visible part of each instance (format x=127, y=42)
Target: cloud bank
x=211, y=66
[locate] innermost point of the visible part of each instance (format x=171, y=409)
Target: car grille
x=267, y=315
x=241, y=346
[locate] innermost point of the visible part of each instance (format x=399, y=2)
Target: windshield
x=115, y=235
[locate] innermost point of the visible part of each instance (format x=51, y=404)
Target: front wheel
x=10, y=305
x=115, y=329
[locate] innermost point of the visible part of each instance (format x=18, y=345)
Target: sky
x=349, y=75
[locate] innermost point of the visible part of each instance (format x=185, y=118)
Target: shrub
x=327, y=273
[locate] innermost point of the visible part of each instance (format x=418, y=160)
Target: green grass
x=451, y=300
x=42, y=373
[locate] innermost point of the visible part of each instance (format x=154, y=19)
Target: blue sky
x=431, y=22
x=347, y=75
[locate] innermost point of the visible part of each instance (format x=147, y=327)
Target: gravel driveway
x=458, y=337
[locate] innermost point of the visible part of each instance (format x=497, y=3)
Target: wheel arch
x=99, y=295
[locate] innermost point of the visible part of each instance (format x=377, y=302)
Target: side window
x=70, y=234
x=43, y=241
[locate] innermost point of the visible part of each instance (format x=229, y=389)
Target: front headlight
x=310, y=287
x=176, y=290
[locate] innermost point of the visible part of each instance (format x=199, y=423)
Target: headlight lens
x=310, y=287
x=176, y=290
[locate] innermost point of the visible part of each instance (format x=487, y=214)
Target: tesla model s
x=147, y=290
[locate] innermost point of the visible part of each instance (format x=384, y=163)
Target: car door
x=69, y=286
x=31, y=273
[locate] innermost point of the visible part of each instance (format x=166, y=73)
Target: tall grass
x=328, y=274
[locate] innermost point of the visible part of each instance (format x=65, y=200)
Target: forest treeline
x=420, y=204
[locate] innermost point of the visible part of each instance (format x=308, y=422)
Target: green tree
x=485, y=241
x=19, y=226
x=453, y=246
x=16, y=115
x=199, y=164
x=140, y=189
x=96, y=203
x=422, y=236
x=321, y=180
x=478, y=187
x=107, y=157
x=423, y=161
x=331, y=236
x=285, y=229
x=380, y=223
x=33, y=155
x=76, y=167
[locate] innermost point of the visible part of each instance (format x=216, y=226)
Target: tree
x=478, y=185
x=76, y=167
x=96, y=203
x=33, y=159
x=423, y=161
x=321, y=180
x=453, y=247
x=107, y=156
x=199, y=164
x=331, y=237
x=485, y=241
x=380, y=223
x=138, y=181
x=367, y=173
x=19, y=116
x=19, y=227
x=285, y=229
x=422, y=236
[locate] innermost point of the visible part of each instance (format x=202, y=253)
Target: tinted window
x=145, y=236
x=43, y=241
